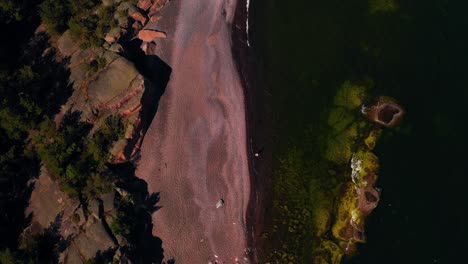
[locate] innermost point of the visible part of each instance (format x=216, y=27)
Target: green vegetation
x=383, y=6
x=87, y=20
x=341, y=121
x=77, y=161
x=95, y=65
x=10, y=10
x=311, y=176
x=7, y=257
x=55, y=14
x=42, y=247
x=124, y=222
x=316, y=90
x=34, y=85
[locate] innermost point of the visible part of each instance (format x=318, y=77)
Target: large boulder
x=116, y=89
x=149, y=35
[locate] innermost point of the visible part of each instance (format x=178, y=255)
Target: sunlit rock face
x=386, y=111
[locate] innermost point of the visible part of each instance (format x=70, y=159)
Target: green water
x=417, y=53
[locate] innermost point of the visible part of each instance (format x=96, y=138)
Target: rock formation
x=340, y=223
x=386, y=111
x=116, y=88
x=149, y=35
x=86, y=230
x=360, y=196
x=105, y=83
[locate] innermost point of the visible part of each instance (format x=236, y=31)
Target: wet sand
x=195, y=151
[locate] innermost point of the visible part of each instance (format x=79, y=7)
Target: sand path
x=195, y=152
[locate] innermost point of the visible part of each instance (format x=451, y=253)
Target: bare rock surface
x=86, y=236
x=195, y=151
x=116, y=89
x=149, y=35
x=48, y=201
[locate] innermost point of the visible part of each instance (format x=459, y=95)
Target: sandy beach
x=195, y=151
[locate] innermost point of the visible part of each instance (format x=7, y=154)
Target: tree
x=7, y=257
x=55, y=15
x=9, y=11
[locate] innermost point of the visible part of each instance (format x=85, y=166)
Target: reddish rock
x=156, y=7
x=149, y=35
x=386, y=112
x=145, y=4
x=139, y=17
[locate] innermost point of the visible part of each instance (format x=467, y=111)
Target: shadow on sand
x=157, y=74
x=145, y=248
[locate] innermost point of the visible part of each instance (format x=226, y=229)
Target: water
x=418, y=55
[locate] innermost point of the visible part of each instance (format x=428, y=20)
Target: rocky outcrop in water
x=385, y=111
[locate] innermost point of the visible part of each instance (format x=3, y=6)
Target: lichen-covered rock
x=66, y=45
x=86, y=244
x=48, y=202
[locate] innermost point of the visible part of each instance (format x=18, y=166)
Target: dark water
x=419, y=55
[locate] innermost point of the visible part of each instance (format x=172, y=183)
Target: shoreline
x=193, y=153
x=256, y=124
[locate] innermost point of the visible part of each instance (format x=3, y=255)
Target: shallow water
x=416, y=54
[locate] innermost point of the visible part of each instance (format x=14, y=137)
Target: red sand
x=195, y=152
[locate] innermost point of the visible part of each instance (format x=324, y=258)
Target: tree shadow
x=46, y=246
x=37, y=81
x=145, y=247
x=52, y=88
x=157, y=74
x=51, y=243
